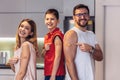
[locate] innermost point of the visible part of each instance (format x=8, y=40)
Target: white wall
x=107, y=30
x=99, y=18
x=112, y=42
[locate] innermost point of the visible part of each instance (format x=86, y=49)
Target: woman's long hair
x=32, y=38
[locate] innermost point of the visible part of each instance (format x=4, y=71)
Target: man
x=80, y=46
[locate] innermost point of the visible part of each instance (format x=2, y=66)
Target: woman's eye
x=21, y=26
x=27, y=28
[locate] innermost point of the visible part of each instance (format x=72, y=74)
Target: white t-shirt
x=83, y=60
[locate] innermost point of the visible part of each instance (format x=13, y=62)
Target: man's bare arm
x=70, y=48
x=98, y=54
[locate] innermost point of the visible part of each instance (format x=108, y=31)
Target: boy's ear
x=58, y=21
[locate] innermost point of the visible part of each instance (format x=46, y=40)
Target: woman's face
x=24, y=30
x=51, y=21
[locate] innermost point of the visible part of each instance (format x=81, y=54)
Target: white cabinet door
x=43, y=5
x=13, y=11
x=40, y=74
x=6, y=74
x=9, y=24
x=12, y=6
x=6, y=77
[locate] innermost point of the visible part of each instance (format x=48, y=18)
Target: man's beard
x=81, y=24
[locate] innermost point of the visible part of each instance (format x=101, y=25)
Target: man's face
x=81, y=17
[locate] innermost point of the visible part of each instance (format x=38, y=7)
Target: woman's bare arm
x=24, y=59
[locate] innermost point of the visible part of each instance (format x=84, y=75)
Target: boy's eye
x=47, y=18
x=50, y=19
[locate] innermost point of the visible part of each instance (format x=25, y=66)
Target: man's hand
x=84, y=47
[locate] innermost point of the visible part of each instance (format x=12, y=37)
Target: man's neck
x=81, y=28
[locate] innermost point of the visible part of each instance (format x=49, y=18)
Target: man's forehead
x=81, y=10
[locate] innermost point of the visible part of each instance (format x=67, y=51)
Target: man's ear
x=73, y=17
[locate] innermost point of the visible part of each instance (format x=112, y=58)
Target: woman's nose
x=22, y=29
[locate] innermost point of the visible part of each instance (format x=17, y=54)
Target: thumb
x=79, y=44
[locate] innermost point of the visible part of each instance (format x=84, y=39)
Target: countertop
x=38, y=66
x=3, y=66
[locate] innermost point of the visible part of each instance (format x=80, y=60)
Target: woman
x=24, y=61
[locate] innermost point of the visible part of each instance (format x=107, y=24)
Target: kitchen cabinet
x=43, y=5
x=9, y=23
x=7, y=74
x=68, y=6
x=7, y=50
x=11, y=6
x=7, y=45
x=13, y=11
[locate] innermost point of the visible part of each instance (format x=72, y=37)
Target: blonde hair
x=32, y=38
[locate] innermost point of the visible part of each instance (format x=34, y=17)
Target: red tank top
x=50, y=54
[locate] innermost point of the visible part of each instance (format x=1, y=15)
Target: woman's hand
x=47, y=46
x=43, y=52
x=13, y=60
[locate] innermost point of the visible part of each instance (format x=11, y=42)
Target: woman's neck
x=22, y=40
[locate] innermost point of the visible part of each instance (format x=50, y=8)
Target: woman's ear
x=31, y=34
